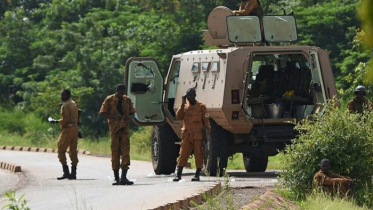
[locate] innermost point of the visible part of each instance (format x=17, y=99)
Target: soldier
x=118, y=109
x=331, y=182
x=69, y=135
x=357, y=104
x=195, y=118
x=250, y=7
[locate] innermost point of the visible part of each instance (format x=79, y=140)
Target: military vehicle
x=256, y=86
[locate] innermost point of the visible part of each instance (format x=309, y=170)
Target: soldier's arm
x=105, y=111
x=132, y=109
x=249, y=6
x=206, y=118
x=350, y=107
x=180, y=112
x=65, y=115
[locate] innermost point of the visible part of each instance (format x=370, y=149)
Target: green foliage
x=49, y=45
x=14, y=203
x=345, y=139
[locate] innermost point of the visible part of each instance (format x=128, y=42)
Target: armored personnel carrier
x=256, y=86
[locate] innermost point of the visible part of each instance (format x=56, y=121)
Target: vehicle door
x=144, y=85
x=318, y=84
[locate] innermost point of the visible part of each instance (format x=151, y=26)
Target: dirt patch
x=270, y=201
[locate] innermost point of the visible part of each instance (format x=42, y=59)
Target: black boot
x=116, y=177
x=123, y=179
x=73, y=172
x=178, y=174
x=196, y=176
x=66, y=173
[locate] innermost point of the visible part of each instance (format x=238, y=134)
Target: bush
x=345, y=139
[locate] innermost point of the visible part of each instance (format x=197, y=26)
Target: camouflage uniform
x=119, y=130
x=332, y=183
x=250, y=7
x=357, y=106
x=69, y=133
x=195, y=118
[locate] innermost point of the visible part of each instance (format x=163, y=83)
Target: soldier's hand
x=183, y=100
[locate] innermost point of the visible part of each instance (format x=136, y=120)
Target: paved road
x=93, y=190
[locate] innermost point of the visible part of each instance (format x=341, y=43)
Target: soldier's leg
x=115, y=156
x=198, y=155
x=125, y=152
x=73, y=152
x=125, y=149
x=63, y=143
x=185, y=150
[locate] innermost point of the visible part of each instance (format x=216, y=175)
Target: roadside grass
x=321, y=201
x=140, y=143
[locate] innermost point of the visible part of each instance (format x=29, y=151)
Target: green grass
x=321, y=201
x=140, y=143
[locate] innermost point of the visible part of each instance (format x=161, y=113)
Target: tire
x=164, y=149
x=256, y=162
x=216, y=158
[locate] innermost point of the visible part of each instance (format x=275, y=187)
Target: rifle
x=80, y=133
x=205, y=141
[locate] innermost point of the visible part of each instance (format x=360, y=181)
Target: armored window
x=143, y=71
x=195, y=67
x=215, y=66
x=205, y=66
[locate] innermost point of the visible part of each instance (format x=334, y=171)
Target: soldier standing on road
x=195, y=118
x=118, y=109
x=331, y=182
x=359, y=102
x=69, y=135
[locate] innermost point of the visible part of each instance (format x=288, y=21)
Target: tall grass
x=320, y=201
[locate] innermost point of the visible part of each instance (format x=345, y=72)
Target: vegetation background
x=49, y=45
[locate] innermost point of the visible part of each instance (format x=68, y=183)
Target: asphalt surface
x=93, y=189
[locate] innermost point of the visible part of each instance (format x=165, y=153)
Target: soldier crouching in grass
x=195, y=118
x=330, y=182
x=69, y=135
x=118, y=109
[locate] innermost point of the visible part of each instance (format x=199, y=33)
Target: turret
x=226, y=29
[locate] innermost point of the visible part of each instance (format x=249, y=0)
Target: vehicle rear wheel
x=256, y=162
x=216, y=158
x=164, y=149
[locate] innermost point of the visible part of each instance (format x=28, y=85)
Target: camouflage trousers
x=189, y=145
x=120, y=149
x=68, y=139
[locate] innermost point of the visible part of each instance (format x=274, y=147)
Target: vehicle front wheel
x=164, y=149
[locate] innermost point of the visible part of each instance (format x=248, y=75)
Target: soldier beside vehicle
x=195, y=118
x=118, y=109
